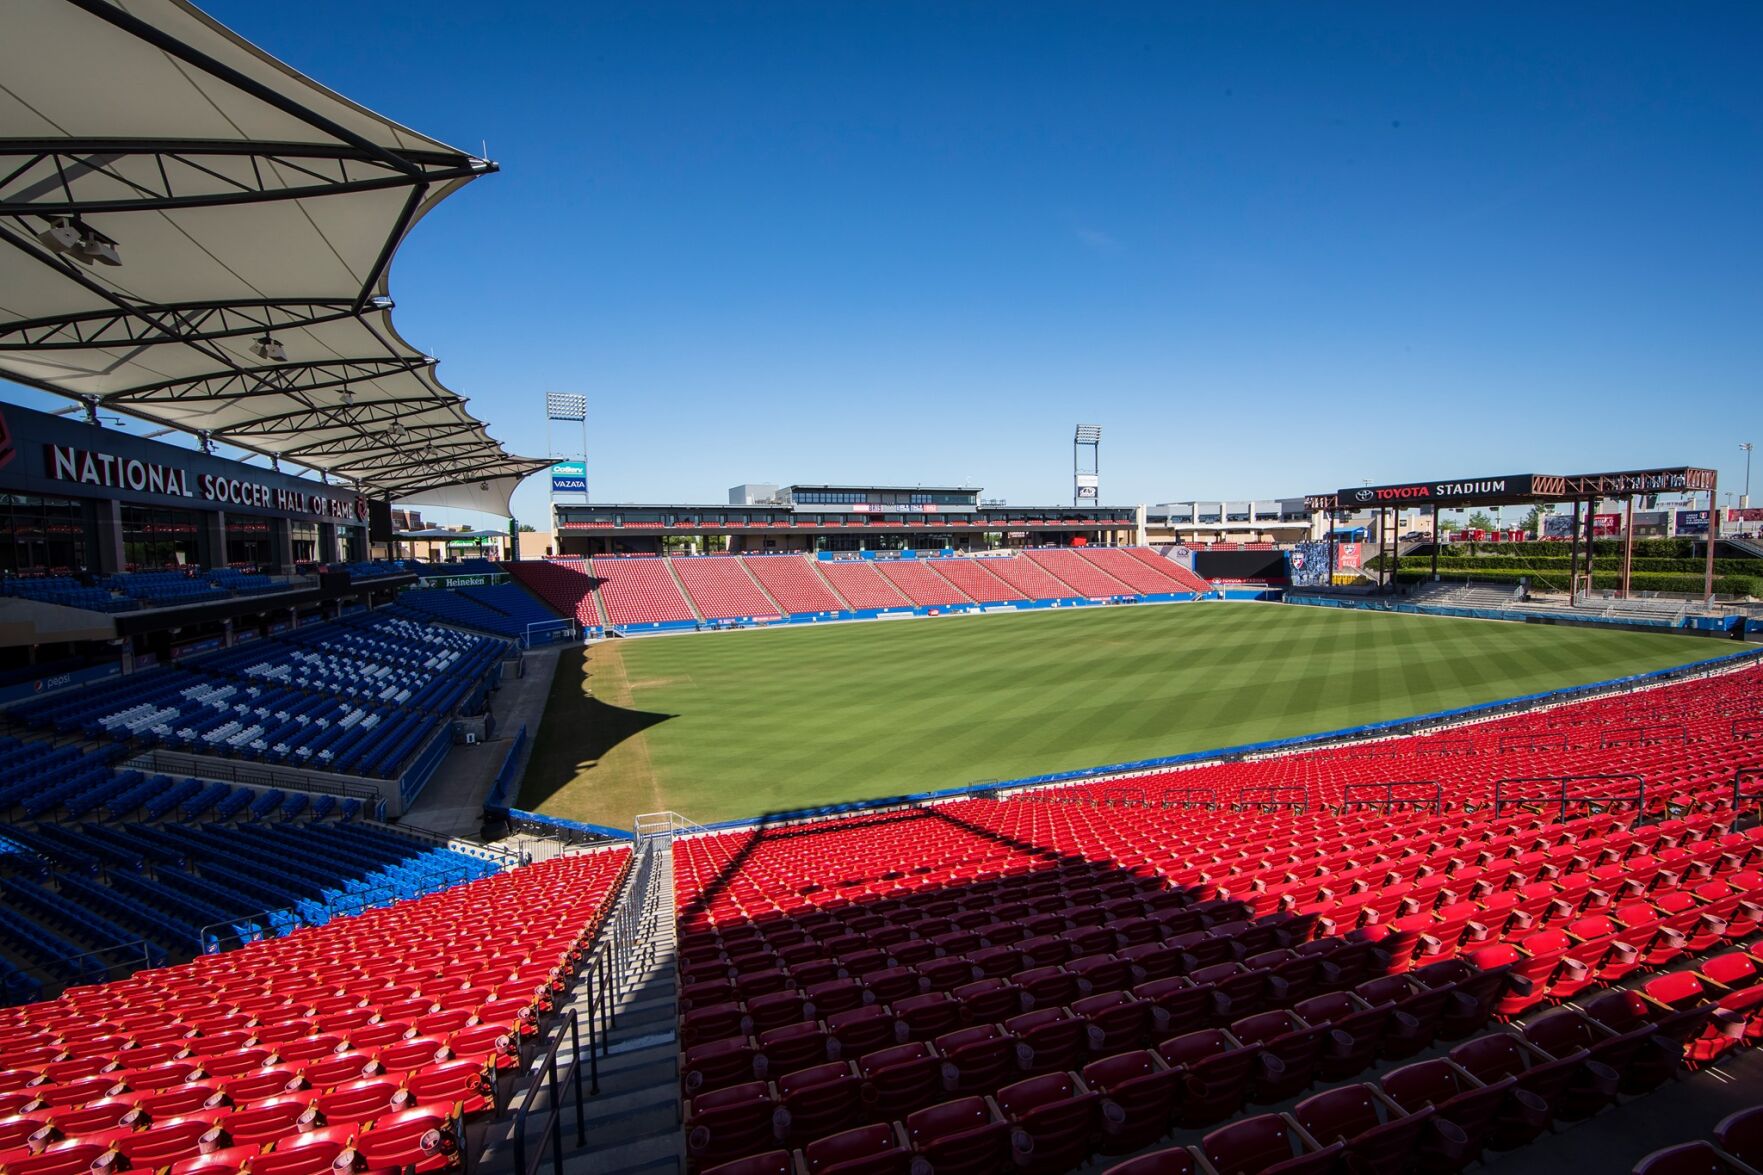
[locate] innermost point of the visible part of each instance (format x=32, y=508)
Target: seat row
x=1737, y=1149
x=1491, y=1093
x=366, y=1042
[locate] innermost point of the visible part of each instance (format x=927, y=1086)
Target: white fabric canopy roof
x=243, y=201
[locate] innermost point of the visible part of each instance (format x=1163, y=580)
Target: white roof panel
x=243, y=200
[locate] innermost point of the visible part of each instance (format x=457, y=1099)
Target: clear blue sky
x=1270, y=248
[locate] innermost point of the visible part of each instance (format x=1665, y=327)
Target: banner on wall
x=1606, y=525
x=1692, y=522
x=1346, y=556
x=1308, y=563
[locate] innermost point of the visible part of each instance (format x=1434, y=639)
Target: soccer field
x=742, y=723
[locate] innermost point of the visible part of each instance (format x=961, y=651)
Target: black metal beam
x=324, y=416
x=447, y=452
x=372, y=442
x=273, y=379
x=44, y=177
x=196, y=322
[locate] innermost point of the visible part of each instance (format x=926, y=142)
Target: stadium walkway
x=453, y=802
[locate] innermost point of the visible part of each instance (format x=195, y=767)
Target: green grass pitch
x=738, y=724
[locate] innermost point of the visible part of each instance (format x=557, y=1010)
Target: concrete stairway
x=633, y=1124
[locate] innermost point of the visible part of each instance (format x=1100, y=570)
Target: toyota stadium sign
x=1466, y=492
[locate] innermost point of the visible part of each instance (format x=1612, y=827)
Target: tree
x=1446, y=526
x=525, y=529
x=1533, y=522
x=1480, y=521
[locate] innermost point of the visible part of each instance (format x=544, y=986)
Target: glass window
x=304, y=538
x=44, y=535
x=247, y=541
x=156, y=537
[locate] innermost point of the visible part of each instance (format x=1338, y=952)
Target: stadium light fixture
x=61, y=236
x=1088, y=434
x=269, y=349
x=95, y=246
x=566, y=406
x=73, y=237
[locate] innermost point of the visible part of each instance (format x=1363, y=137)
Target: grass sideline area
x=742, y=723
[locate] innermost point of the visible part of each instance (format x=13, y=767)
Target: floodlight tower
x=570, y=407
x=1086, y=464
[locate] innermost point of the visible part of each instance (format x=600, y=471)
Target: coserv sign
x=1475, y=489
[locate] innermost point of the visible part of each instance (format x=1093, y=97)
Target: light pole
x=1745, y=448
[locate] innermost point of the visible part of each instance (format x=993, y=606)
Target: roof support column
x=212, y=545
x=1591, y=516
x=281, y=545
x=1435, y=542
x=1713, y=537
x=1573, y=563
x=1627, y=544
x=110, y=553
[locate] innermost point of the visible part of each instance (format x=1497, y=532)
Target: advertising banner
x=569, y=477
x=1744, y=514
x=1467, y=491
x=1558, y=526
x=1308, y=562
x=1346, y=556
x=1606, y=525
x=1692, y=522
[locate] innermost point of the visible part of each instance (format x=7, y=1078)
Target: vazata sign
x=87, y=467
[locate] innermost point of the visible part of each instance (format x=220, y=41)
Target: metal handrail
x=600, y=971
x=261, y=917
x=1390, y=800
x=1249, y=796
x=669, y=824
x=187, y=766
x=551, y=1133
x=1557, y=793
x=1738, y=782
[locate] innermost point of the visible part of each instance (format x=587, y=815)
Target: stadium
x=857, y=827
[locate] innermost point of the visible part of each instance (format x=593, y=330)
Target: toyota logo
x=1363, y=495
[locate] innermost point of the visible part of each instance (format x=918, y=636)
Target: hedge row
x=1650, y=548
x=1725, y=585
x=1563, y=564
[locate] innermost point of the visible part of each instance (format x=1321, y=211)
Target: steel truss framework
x=145, y=324
x=1582, y=491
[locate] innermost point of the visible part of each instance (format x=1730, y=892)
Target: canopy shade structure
x=195, y=234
